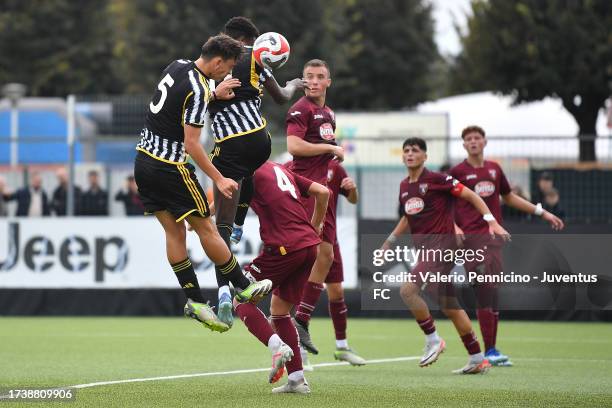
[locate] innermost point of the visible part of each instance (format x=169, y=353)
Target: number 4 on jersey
x=284, y=183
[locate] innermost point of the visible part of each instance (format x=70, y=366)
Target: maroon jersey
x=428, y=202
x=335, y=175
x=488, y=182
x=283, y=221
x=314, y=124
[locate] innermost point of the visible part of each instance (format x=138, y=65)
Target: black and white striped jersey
x=241, y=115
x=181, y=99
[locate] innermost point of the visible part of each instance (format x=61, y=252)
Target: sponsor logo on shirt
x=484, y=188
x=317, y=116
x=414, y=206
x=423, y=188
x=326, y=131
x=471, y=176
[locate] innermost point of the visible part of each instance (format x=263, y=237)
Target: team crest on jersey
x=493, y=172
x=326, y=131
x=423, y=188
x=414, y=206
x=330, y=175
x=318, y=116
x=484, y=188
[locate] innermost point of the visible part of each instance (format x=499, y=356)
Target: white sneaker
x=474, y=367
x=306, y=366
x=279, y=359
x=431, y=352
x=296, y=387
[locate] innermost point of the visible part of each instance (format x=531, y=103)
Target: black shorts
x=171, y=187
x=238, y=157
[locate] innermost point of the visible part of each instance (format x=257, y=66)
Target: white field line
x=218, y=373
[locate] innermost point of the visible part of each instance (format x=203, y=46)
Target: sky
x=446, y=12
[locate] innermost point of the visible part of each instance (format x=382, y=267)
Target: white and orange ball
x=271, y=50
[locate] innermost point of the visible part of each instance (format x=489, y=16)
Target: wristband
x=392, y=238
x=539, y=211
x=488, y=217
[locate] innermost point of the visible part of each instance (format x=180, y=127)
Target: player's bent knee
x=335, y=292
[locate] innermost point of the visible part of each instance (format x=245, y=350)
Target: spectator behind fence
x=60, y=194
x=32, y=201
x=551, y=203
x=130, y=198
x=95, y=200
x=3, y=209
x=545, y=185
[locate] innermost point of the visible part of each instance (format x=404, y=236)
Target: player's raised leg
x=434, y=344
x=176, y=251
x=338, y=313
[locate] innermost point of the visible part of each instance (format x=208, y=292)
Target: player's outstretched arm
x=401, y=227
x=283, y=95
x=518, y=202
x=297, y=146
x=478, y=203
x=196, y=151
x=321, y=195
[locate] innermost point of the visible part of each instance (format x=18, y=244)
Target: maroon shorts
x=288, y=273
x=336, y=273
x=493, y=260
x=437, y=269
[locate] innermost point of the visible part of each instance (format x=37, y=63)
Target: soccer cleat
x=305, y=340
x=236, y=235
x=497, y=359
x=203, y=313
x=254, y=291
x=306, y=366
x=225, y=310
x=431, y=352
x=474, y=367
x=295, y=387
x=348, y=355
x=279, y=359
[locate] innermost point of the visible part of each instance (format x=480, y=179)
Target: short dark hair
x=471, y=129
x=546, y=175
x=222, y=46
x=241, y=27
x=415, y=141
x=317, y=63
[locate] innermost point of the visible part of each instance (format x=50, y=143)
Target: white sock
x=296, y=375
x=342, y=344
x=224, y=289
x=274, y=343
x=476, y=358
x=433, y=337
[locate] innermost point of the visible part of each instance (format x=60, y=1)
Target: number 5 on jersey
x=163, y=86
x=283, y=182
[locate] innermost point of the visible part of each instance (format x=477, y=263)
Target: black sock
x=188, y=280
x=246, y=194
x=225, y=231
x=231, y=271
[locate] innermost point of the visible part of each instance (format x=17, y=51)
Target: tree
x=56, y=47
x=532, y=49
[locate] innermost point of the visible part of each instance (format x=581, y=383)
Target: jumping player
x=427, y=199
x=488, y=180
x=290, y=238
x=242, y=143
x=168, y=185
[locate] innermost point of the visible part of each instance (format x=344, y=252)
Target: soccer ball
x=271, y=50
